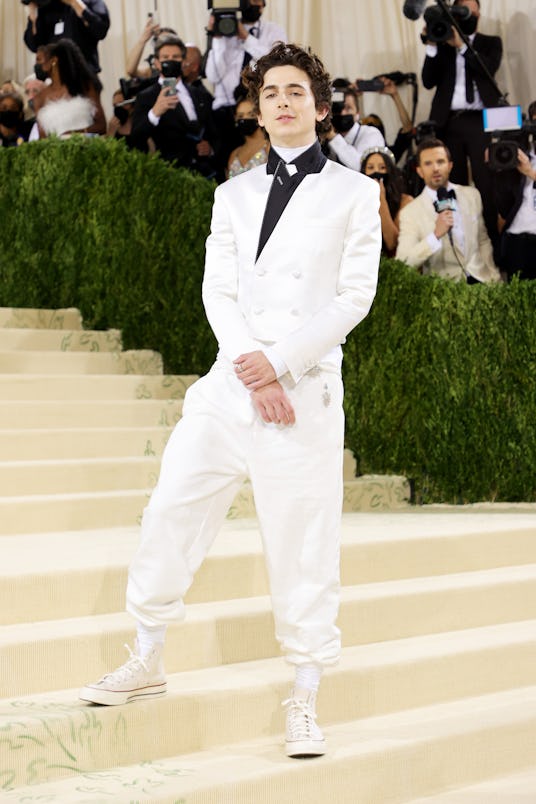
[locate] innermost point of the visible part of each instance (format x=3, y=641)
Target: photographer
x=174, y=116
x=85, y=22
x=462, y=91
x=226, y=58
x=348, y=139
x=516, y=202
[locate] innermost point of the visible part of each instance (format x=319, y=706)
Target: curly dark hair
x=281, y=55
x=74, y=71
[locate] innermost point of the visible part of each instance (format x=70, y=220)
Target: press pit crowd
x=445, y=207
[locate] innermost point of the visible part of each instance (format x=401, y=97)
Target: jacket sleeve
x=413, y=248
x=142, y=128
x=305, y=347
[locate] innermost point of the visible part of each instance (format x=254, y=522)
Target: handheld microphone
x=413, y=9
x=446, y=200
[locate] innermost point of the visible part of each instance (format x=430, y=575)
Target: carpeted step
x=373, y=760
x=57, y=413
x=55, y=654
x=85, y=387
x=46, y=576
x=516, y=788
x=30, y=318
x=74, y=340
x=71, y=476
x=219, y=706
x=81, y=442
x=141, y=361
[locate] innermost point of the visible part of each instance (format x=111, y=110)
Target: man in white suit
x=291, y=268
x=448, y=236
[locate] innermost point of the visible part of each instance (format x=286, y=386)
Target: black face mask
x=246, y=126
x=343, y=122
x=121, y=113
x=40, y=74
x=379, y=177
x=171, y=69
x=251, y=14
x=468, y=26
x=9, y=119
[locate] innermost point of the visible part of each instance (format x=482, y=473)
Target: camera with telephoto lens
x=130, y=87
x=226, y=16
x=438, y=25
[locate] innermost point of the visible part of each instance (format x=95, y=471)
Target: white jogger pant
x=296, y=474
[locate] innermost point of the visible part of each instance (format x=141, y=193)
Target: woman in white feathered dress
x=70, y=103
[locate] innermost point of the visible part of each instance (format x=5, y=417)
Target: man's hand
x=149, y=31
x=273, y=405
x=524, y=165
x=204, y=148
x=389, y=86
x=164, y=102
x=444, y=223
x=241, y=31
x=254, y=370
x=33, y=12
x=78, y=6
x=455, y=40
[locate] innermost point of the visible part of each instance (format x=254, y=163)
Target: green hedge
x=121, y=235
x=441, y=387
x=440, y=378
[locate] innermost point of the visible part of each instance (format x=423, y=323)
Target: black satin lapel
x=284, y=186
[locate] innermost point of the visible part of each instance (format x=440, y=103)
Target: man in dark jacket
x=177, y=118
x=462, y=90
x=86, y=22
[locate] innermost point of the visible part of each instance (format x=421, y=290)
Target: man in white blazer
x=448, y=236
x=291, y=269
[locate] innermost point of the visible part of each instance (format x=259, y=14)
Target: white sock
x=308, y=677
x=149, y=637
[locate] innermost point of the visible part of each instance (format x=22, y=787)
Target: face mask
x=9, y=119
x=247, y=126
x=343, y=122
x=468, y=26
x=251, y=14
x=171, y=69
x=121, y=113
x=40, y=74
x=379, y=177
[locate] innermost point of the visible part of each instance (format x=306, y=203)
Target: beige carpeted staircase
x=434, y=699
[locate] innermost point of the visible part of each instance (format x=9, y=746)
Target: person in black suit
x=86, y=22
x=462, y=91
x=178, y=121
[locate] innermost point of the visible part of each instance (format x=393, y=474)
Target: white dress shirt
x=185, y=99
x=459, y=99
x=525, y=219
x=226, y=58
x=349, y=149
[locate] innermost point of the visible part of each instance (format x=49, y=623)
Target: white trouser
x=296, y=474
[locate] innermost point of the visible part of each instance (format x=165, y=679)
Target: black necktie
x=469, y=89
x=284, y=186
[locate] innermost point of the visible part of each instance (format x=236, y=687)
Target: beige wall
x=353, y=37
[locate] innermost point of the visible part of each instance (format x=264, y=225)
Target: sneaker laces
x=133, y=665
x=301, y=721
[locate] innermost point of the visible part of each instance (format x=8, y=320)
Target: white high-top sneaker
x=303, y=738
x=137, y=678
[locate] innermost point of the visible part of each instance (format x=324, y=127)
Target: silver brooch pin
x=326, y=396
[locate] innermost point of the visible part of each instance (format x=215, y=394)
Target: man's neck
x=288, y=152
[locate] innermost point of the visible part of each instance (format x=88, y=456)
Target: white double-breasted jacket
x=316, y=277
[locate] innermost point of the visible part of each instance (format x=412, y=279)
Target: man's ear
x=419, y=171
x=321, y=113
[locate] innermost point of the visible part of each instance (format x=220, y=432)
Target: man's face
x=350, y=107
x=288, y=108
x=191, y=64
x=168, y=53
x=434, y=167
